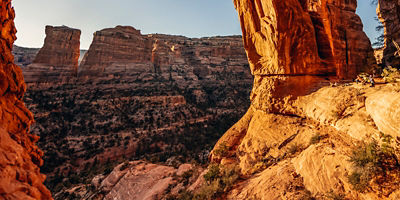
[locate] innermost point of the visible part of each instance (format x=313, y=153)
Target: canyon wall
x=389, y=14
x=292, y=44
x=20, y=158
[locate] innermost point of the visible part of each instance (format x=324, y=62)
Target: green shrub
x=373, y=161
x=315, y=139
x=390, y=74
x=218, y=180
x=294, y=148
x=221, y=150
x=213, y=173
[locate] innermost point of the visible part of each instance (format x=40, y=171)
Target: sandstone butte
x=20, y=158
x=389, y=14
x=59, y=56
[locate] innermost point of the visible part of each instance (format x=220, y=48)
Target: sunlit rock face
x=389, y=14
x=20, y=158
x=298, y=42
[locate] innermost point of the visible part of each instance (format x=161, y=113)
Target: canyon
x=164, y=101
x=134, y=97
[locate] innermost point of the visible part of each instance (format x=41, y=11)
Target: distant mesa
x=124, y=52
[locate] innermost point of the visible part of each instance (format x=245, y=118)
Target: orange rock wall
x=20, y=158
x=301, y=37
x=293, y=45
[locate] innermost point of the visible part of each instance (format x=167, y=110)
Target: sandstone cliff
x=58, y=58
x=291, y=44
x=20, y=158
x=389, y=14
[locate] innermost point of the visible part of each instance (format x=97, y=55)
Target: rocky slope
x=167, y=103
x=20, y=158
x=389, y=14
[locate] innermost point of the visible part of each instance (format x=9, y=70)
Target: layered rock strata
x=20, y=158
x=389, y=14
x=58, y=58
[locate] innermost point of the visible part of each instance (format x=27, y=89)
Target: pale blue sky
x=192, y=18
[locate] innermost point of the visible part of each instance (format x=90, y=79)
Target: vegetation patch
x=315, y=139
x=391, y=74
x=219, y=180
x=376, y=167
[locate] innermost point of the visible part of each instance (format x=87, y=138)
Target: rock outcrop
x=136, y=180
x=290, y=44
x=58, y=58
x=20, y=158
x=389, y=14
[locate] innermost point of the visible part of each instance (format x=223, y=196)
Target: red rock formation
x=286, y=40
x=20, y=158
x=389, y=14
x=61, y=48
x=123, y=50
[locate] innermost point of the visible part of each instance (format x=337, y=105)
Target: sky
x=191, y=18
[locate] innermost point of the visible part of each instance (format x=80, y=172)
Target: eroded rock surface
x=20, y=158
x=288, y=40
x=137, y=180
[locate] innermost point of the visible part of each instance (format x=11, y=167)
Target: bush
x=294, y=148
x=315, y=139
x=374, y=163
x=390, y=74
x=218, y=180
x=222, y=150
